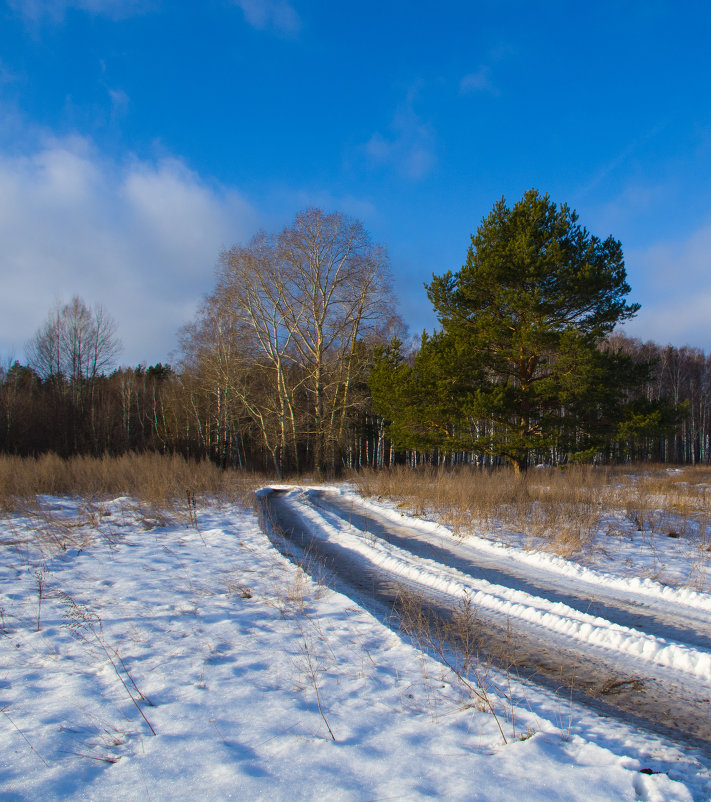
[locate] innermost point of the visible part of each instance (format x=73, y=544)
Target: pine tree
x=517, y=366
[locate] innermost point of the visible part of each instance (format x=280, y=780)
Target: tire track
x=653, y=697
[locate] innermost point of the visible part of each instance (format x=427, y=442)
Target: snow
x=625, y=561
x=232, y=648
x=554, y=616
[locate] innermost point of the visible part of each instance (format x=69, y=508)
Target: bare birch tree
x=298, y=311
x=74, y=347
x=337, y=287
x=75, y=342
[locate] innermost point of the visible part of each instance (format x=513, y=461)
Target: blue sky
x=138, y=139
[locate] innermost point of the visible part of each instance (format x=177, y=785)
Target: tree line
x=295, y=362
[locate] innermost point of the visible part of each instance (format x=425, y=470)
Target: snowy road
x=638, y=650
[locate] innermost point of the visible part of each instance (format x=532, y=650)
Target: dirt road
x=636, y=690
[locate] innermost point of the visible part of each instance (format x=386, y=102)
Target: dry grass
x=462, y=644
x=563, y=509
x=153, y=478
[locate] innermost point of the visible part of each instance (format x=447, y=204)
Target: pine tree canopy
x=532, y=273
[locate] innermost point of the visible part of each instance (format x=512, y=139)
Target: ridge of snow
x=554, y=616
x=641, y=585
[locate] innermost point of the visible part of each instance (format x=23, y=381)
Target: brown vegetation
x=563, y=509
x=157, y=479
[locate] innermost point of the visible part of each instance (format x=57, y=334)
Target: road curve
x=639, y=692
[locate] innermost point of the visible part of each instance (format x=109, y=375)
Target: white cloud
x=677, y=322
x=276, y=15
x=141, y=238
x=676, y=277
x=409, y=146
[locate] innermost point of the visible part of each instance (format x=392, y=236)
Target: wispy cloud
x=482, y=80
x=271, y=15
x=605, y=170
x=479, y=81
x=349, y=204
x=120, y=103
x=36, y=11
x=6, y=76
x=141, y=237
x=409, y=144
x=634, y=202
x=676, y=277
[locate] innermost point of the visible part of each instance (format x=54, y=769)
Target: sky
x=140, y=138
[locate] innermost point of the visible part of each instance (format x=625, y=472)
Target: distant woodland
x=298, y=362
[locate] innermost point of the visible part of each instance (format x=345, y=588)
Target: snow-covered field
x=118, y=621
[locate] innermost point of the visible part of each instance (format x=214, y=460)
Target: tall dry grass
x=565, y=509
x=153, y=478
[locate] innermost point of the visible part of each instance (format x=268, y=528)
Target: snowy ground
x=240, y=664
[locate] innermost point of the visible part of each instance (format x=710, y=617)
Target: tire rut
x=677, y=707
x=681, y=625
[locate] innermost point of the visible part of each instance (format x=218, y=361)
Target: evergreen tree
x=517, y=366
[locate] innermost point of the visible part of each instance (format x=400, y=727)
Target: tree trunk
x=520, y=465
